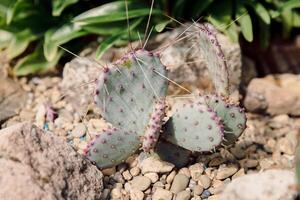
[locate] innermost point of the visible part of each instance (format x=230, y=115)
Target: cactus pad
x=112, y=147
x=194, y=126
x=233, y=117
x=153, y=130
x=212, y=53
x=128, y=90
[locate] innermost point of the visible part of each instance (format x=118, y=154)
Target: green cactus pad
x=212, y=53
x=233, y=117
x=112, y=147
x=129, y=89
x=172, y=153
x=194, y=126
x=152, y=132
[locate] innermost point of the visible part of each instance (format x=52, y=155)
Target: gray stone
x=260, y=94
x=180, y=182
x=225, y=172
x=12, y=98
x=79, y=130
x=183, y=195
x=271, y=184
x=39, y=165
x=153, y=164
x=204, y=181
x=160, y=194
x=140, y=183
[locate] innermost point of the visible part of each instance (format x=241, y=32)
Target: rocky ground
x=259, y=166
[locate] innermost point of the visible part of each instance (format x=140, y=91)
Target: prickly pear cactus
x=152, y=132
x=111, y=147
x=211, y=50
x=232, y=116
x=131, y=94
x=129, y=89
x=194, y=126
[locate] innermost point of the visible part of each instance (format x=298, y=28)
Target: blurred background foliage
x=32, y=30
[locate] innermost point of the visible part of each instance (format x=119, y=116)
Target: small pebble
x=135, y=171
x=205, y=194
x=152, y=176
x=127, y=176
x=226, y=172
x=140, y=183
x=180, y=182
x=198, y=189
x=136, y=194
x=196, y=171
x=170, y=177
x=160, y=194
x=183, y=195
x=204, y=181
x=152, y=164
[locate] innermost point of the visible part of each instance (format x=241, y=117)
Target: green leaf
x=245, y=22
x=287, y=22
x=291, y=4
x=178, y=8
x=112, y=12
x=107, y=43
x=55, y=37
x=296, y=19
x=5, y=38
x=232, y=32
x=264, y=34
x=200, y=6
x=260, y=10
x=161, y=26
x=111, y=28
x=59, y=5
x=36, y=63
x=221, y=12
x=19, y=43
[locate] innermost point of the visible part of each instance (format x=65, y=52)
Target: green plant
x=31, y=26
x=32, y=30
x=254, y=18
x=131, y=95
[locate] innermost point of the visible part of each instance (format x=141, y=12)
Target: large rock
x=275, y=95
x=272, y=184
x=12, y=98
x=38, y=165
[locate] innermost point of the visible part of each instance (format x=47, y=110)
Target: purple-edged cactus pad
x=129, y=89
x=111, y=147
x=233, y=117
x=211, y=50
x=194, y=126
x=152, y=132
x=131, y=95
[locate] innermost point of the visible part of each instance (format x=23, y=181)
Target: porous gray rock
x=12, y=98
x=39, y=165
x=271, y=184
x=274, y=94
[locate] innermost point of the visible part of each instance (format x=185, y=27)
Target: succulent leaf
x=211, y=50
x=194, y=126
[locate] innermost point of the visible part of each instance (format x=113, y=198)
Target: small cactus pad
x=232, y=116
x=153, y=130
x=172, y=153
x=194, y=126
x=212, y=53
x=112, y=147
x=128, y=90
